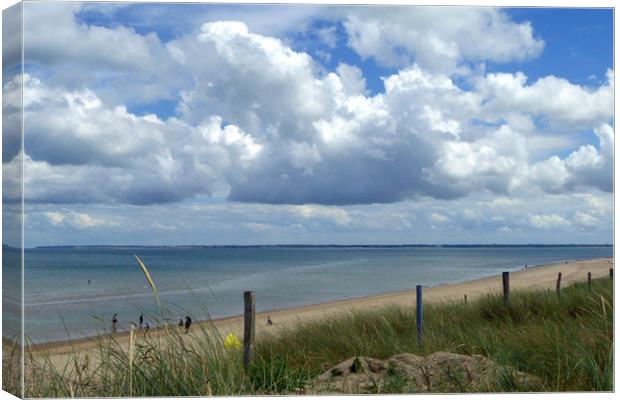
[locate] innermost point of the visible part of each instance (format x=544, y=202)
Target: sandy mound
x=439, y=372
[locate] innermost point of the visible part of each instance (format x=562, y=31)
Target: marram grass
x=567, y=342
x=148, y=278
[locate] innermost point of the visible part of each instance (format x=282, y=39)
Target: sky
x=179, y=124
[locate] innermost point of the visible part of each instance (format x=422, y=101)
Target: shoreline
x=124, y=332
x=538, y=276
x=225, y=319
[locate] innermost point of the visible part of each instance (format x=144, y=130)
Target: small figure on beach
x=269, y=321
x=188, y=323
x=525, y=266
x=146, y=330
x=114, y=322
x=140, y=321
x=89, y=282
x=180, y=323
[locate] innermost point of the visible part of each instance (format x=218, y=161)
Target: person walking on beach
x=140, y=321
x=269, y=321
x=180, y=322
x=114, y=321
x=188, y=323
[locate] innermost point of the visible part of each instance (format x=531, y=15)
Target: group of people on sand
x=141, y=324
x=187, y=324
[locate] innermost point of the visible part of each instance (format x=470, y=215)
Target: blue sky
x=239, y=124
x=578, y=42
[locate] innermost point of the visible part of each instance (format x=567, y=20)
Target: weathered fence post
x=611, y=273
x=558, y=284
x=590, y=281
x=418, y=310
x=249, y=323
x=465, y=299
x=506, y=285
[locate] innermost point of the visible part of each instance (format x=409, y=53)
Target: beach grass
x=566, y=342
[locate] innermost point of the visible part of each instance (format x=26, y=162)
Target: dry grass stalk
x=150, y=281
x=132, y=339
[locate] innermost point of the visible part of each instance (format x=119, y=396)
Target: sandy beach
x=541, y=277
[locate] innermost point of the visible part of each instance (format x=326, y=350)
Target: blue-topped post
x=418, y=317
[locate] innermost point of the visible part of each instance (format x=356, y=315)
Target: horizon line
x=329, y=245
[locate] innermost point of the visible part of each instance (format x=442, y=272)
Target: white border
x=503, y=4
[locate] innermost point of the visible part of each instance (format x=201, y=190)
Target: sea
x=72, y=292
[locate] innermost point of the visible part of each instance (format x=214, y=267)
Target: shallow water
x=60, y=303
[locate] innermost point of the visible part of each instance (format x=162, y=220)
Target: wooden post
x=611, y=273
x=249, y=324
x=589, y=281
x=558, y=284
x=506, y=285
x=418, y=309
x=465, y=299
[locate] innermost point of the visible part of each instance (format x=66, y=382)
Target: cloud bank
x=260, y=122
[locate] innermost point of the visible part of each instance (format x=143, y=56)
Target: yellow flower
x=232, y=342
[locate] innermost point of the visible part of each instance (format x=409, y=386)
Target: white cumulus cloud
x=259, y=121
x=439, y=38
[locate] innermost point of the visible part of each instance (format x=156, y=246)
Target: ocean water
x=210, y=281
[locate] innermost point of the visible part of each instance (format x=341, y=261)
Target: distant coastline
x=357, y=246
